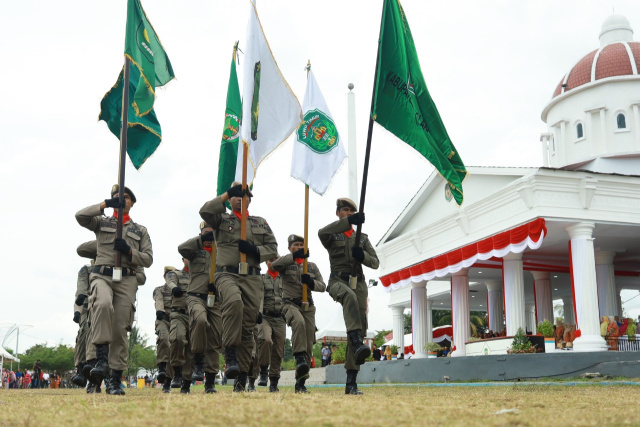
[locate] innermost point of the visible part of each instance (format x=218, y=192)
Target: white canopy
x=4, y=354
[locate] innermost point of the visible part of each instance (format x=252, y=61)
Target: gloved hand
x=259, y=318
x=212, y=288
x=121, y=246
x=356, y=219
x=76, y=316
x=358, y=253
x=177, y=292
x=207, y=237
x=114, y=203
x=235, y=191
x=307, y=280
x=160, y=315
x=80, y=299
x=248, y=248
x=300, y=253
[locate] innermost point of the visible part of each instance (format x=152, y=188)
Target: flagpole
x=243, y=267
x=305, y=266
x=117, y=271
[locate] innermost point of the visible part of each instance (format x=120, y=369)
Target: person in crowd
x=377, y=354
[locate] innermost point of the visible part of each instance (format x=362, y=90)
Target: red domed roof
x=611, y=60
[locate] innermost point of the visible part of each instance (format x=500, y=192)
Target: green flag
x=230, y=134
x=143, y=133
x=143, y=47
x=401, y=101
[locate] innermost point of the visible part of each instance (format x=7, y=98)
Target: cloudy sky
x=491, y=67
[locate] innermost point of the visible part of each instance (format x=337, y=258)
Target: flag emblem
x=318, y=132
x=231, y=128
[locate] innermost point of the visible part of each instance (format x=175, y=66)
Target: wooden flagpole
x=305, y=266
x=243, y=267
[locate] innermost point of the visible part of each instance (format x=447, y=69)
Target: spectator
x=401, y=356
x=45, y=380
x=387, y=352
x=326, y=355
x=377, y=354
x=37, y=374
x=26, y=382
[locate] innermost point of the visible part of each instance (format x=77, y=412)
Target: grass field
x=530, y=404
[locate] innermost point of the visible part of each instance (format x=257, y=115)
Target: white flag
x=318, y=151
x=270, y=110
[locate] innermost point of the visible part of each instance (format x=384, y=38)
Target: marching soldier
x=302, y=323
x=339, y=240
x=240, y=294
x=179, y=345
x=111, y=302
x=253, y=367
x=205, y=314
x=162, y=299
x=81, y=307
x=274, y=330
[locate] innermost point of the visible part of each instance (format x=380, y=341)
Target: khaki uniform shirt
x=291, y=274
x=199, y=264
x=272, y=301
x=162, y=298
x=134, y=234
x=226, y=229
x=178, y=278
x=339, y=246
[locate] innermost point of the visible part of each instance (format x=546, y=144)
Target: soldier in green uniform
x=112, y=303
x=240, y=294
x=274, y=330
x=179, y=344
x=81, y=307
x=302, y=323
x=339, y=240
x=253, y=367
x=162, y=300
x=205, y=314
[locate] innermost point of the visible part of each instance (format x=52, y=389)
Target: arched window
x=622, y=121
x=579, y=131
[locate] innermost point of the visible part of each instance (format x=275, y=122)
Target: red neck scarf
x=273, y=274
x=299, y=261
x=349, y=233
x=125, y=219
x=239, y=214
x=186, y=269
x=210, y=250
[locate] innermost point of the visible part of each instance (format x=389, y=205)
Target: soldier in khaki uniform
x=302, y=323
x=112, y=304
x=240, y=294
x=162, y=299
x=274, y=330
x=179, y=344
x=339, y=240
x=205, y=313
x=81, y=307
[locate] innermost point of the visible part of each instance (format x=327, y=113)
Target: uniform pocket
x=107, y=235
x=197, y=265
x=258, y=235
x=133, y=240
x=132, y=317
x=338, y=248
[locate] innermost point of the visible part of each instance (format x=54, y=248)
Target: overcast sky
x=491, y=67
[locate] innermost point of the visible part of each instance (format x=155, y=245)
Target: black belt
x=272, y=313
x=296, y=301
x=178, y=310
x=231, y=269
x=345, y=276
x=203, y=297
x=108, y=271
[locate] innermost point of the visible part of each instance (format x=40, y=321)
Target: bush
x=521, y=343
x=546, y=329
x=339, y=355
x=432, y=346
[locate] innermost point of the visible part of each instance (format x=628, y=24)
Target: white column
x=530, y=314
x=419, y=318
x=606, y=280
x=398, y=326
x=569, y=318
x=429, y=317
x=460, y=315
x=619, y=300
x=585, y=289
x=495, y=305
x=351, y=144
x=544, y=302
x=513, y=293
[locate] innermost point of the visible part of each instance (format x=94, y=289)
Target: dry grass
x=526, y=405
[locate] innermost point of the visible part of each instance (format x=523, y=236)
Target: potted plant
x=545, y=328
x=394, y=352
x=432, y=349
x=521, y=344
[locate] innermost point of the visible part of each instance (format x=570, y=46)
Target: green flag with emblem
x=402, y=104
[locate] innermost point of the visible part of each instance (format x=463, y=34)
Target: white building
x=568, y=230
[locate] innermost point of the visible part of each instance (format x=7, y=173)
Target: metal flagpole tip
x=350, y=86
x=305, y=306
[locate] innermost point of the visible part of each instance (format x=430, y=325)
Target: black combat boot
x=78, y=379
x=162, y=372
x=233, y=370
x=98, y=389
x=176, y=382
x=86, y=369
x=91, y=387
x=186, y=387
x=351, y=387
x=360, y=350
x=299, y=387
x=273, y=384
x=101, y=370
x=210, y=383
x=116, y=383
x=252, y=385
x=302, y=369
x=262, y=381
x=198, y=367
x=166, y=386
x=241, y=382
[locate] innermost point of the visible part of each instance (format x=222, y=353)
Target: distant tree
x=288, y=350
x=478, y=321
x=140, y=354
x=379, y=339
x=407, y=323
x=59, y=358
